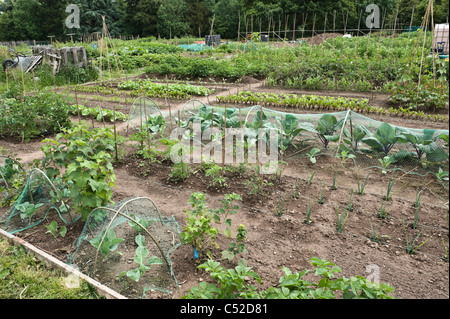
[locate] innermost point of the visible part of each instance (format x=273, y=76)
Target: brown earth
x=275, y=241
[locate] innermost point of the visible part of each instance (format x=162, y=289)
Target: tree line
x=38, y=19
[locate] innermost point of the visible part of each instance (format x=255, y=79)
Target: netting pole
x=78, y=107
x=260, y=126
x=134, y=221
x=168, y=103
x=115, y=131
x=342, y=131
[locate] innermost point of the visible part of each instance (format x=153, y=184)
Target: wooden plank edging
x=53, y=262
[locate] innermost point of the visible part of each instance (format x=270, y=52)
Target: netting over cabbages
x=127, y=247
x=39, y=197
x=367, y=142
x=142, y=109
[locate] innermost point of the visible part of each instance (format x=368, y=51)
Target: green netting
x=131, y=236
x=39, y=197
x=195, y=47
x=425, y=152
x=142, y=109
x=10, y=169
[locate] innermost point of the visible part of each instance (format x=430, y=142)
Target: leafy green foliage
x=33, y=115
x=107, y=242
x=231, y=284
x=180, y=172
x=198, y=231
x=53, y=229
x=384, y=139
x=98, y=113
x=27, y=209
x=326, y=129
x=140, y=258
x=86, y=157
x=173, y=91
x=312, y=155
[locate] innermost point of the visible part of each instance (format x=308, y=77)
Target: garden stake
x=78, y=108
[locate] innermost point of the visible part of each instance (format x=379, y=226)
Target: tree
x=172, y=19
x=199, y=12
x=91, y=12
x=21, y=20
x=52, y=16
x=145, y=16
x=226, y=18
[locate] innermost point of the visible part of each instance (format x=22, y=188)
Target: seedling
x=218, y=180
x=280, y=206
x=334, y=186
x=320, y=196
x=312, y=155
x=346, y=156
x=238, y=247
x=362, y=186
x=389, y=189
x=106, y=243
x=308, y=214
x=418, y=195
x=410, y=247
x=383, y=211
x=385, y=162
x=180, y=172
x=139, y=258
x=374, y=235
x=27, y=209
x=350, y=201
x=311, y=178
x=296, y=189
x=416, y=217
x=341, y=219
x=53, y=229
x=441, y=175
x=143, y=222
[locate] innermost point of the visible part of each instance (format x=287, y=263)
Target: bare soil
x=275, y=241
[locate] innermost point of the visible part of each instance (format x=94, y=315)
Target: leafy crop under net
x=39, y=198
x=347, y=135
x=127, y=246
x=142, y=109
